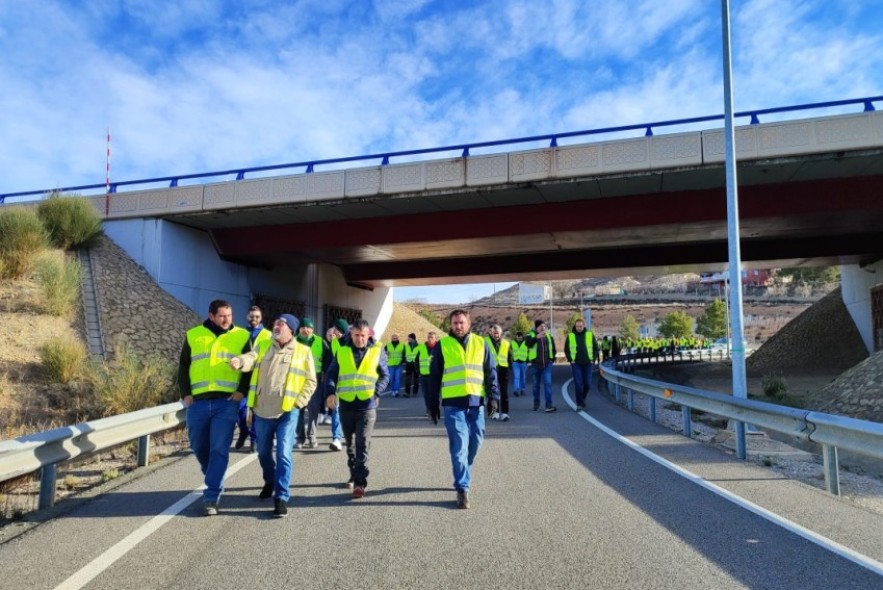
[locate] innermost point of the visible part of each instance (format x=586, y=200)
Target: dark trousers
x=424, y=385
x=358, y=425
x=582, y=381
x=412, y=379
x=503, y=382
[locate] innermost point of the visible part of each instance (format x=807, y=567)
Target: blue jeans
x=336, y=429
x=544, y=375
x=582, y=382
x=519, y=376
x=210, y=424
x=278, y=471
x=465, y=428
x=395, y=378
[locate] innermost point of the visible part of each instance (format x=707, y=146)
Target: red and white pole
x=107, y=178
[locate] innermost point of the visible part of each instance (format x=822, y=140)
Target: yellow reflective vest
x=532, y=353
x=395, y=354
x=502, y=353
x=423, y=356
x=519, y=351
x=411, y=352
x=357, y=382
x=571, y=343
x=464, y=369
x=296, y=377
x=210, y=359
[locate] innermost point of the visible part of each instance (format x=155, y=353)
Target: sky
x=191, y=86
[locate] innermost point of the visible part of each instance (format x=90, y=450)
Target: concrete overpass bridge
x=809, y=195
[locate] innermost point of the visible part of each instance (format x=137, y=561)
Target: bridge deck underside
x=824, y=211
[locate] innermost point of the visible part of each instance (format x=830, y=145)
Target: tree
x=713, y=323
x=431, y=317
x=677, y=324
x=812, y=276
x=522, y=324
x=628, y=328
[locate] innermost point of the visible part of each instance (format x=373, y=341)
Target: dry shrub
x=64, y=358
x=22, y=237
x=59, y=278
x=72, y=221
x=131, y=382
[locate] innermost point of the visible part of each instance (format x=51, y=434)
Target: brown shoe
x=358, y=491
x=463, y=499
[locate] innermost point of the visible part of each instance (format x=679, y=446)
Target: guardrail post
x=831, y=467
x=688, y=424
x=631, y=401
x=617, y=392
x=144, y=451
x=48, y=477
x=653, y=409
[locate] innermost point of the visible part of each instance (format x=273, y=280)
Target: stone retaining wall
x=134, y=310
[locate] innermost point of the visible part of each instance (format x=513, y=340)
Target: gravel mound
x=822, y=339
x=858, y=392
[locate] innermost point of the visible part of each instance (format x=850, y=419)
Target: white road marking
x=811, y=536
x=106, y=559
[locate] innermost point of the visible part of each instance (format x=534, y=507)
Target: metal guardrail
x=830, y=431
x=309, y=166
x=43, y=451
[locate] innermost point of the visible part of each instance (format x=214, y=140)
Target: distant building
x=750, y=278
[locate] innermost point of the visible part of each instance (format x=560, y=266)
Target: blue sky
x=199, y=85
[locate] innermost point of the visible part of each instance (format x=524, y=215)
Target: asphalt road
x=557, y=502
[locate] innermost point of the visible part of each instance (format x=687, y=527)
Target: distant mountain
x=594, y=287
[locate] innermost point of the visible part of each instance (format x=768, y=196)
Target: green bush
x=132, y=383
x=64, y=358
x=59, y=280
x=72, y=222
x=774, y=387
x=22, y=237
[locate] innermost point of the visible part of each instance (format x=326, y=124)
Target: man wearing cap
x=412, y=375
x=462, y=377
x=541, y=355
x=308, y=418
x=353, y=383
x=283, y=378
x=209, y=388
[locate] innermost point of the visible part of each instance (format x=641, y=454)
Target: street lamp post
x=740, y=389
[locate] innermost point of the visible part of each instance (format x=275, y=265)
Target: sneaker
x=463, y=499
x=536, y=406
x=348, y=485
x=312, y=444
x=299, y=445
x=266, y=491
x=335, y=445
x=504, y=417
x=495, y=416
x=550, y=409
x=240, y=442
x=280, y=510
x=580, y=408
x=358, y=491
x=210, y=509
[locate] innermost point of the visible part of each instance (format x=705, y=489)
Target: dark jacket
x=542, y=358
x=437, y=369
x=333, y=372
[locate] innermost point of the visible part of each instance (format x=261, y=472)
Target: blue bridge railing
x=464, y=149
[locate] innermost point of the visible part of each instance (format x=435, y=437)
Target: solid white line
x=811, y=536
x=106, y=559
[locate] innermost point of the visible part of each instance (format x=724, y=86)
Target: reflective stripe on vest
x=411, y=353
x=423, y=355
x=210, y=357
x=357, y=383
x=395, y=354
x=519, y=351
x=263, y=336
x=464, y=369
x=571, y=342
x=294, y=380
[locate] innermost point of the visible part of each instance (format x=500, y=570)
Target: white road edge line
x=106, y=559
x=811, y=536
